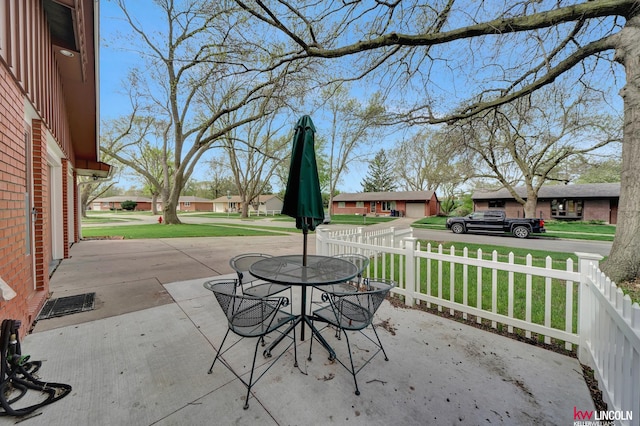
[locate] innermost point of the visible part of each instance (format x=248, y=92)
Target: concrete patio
x=141, y=357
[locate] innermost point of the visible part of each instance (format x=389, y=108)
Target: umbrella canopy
x=303, y=199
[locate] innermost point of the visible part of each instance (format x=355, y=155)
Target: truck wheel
x=457, y=228
x=521, y=231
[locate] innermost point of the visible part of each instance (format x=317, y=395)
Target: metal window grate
x=67, y=305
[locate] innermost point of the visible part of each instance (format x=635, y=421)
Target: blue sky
x=116, y=58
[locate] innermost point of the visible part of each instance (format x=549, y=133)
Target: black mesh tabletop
x=318, y=271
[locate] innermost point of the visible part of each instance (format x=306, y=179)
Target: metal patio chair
x=250, y=317
x=351, y=311
x=351, y=286
x=251, y=285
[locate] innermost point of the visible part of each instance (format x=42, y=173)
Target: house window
x=568, y=208
x=497, y=204
x=360, y=204
x=388, y=205
x=341, y=204
x=187, y=203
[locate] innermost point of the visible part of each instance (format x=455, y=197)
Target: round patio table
x=295, y=270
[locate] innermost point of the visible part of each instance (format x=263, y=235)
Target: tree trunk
x=624, y=260
x=170, y=209
x=154, y=204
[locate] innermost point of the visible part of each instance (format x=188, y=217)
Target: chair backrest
x=242, y=262
x=247, y=316
x=361, y=261
x=355, y=310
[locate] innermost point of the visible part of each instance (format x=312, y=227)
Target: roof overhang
x=95, y=169
x=74, y=26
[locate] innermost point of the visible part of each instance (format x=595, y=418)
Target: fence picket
x=510, y=291
x=547, y=299
x=479, y=287
x=608, y=327
x=568, y=317
x=465, y=282
x=494, y=288
x=527, y=295
x=452, y=279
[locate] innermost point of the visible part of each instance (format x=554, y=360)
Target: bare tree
x=429, y=161
x=462, y=58
x=526, y=141
x=352, y=130
x=255, y=151
x=202, y=66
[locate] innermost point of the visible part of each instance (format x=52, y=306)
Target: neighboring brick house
x=113, y=203
x=48, y=137
x=266, y=204
x=416, y=204
x=592, y=201
x=189, y=203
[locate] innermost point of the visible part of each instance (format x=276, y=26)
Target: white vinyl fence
x=575, y=304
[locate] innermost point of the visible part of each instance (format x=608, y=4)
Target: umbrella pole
x=305, y=232
x=304, y=247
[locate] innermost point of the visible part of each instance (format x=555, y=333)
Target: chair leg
x=353, y=369
x=310, y=345
x=295, y=349
x=386, y=358
x=219, y=351
x=250, y=384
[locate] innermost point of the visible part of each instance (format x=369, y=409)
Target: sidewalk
x=140, y=358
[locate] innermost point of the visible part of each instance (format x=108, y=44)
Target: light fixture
x=67, y=53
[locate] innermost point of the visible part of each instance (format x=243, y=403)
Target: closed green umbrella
x=303, y=199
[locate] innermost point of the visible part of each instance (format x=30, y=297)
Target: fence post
x=584, y=303
x=410, y=270
x=321, y=241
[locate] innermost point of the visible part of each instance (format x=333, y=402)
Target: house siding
x=33, y=107
x=15, y=268
x=430, y=208
x=597, y=210
x=599, y=202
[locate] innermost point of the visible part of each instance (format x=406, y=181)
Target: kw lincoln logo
x=600, y=418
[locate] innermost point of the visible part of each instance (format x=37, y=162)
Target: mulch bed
x=535, y=340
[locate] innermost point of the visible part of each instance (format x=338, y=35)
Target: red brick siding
x=15, y=268
x=41, y=203
x=65, y=209
x=596, y=210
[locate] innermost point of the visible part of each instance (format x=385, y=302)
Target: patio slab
x=148, y=367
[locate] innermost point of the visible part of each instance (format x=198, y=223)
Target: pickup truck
x=495, y=221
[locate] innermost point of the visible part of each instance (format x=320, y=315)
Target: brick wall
x=41, y=203
x=16, y=264
x=597, y=210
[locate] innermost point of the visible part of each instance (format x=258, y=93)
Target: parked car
x=495, y=221
x=327, y=218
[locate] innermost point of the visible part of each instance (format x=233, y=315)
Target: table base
x=302, y=319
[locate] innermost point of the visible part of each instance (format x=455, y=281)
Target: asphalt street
x=534, y=242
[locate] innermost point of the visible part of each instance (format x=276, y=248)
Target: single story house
x=264, y=204
x=49, y=123
x=189, y=203
x=591, y=201
x=113, y=203
x=415, y=204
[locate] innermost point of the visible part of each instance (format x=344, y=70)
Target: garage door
x=415, y=210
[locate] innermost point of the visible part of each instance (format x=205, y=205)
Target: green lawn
x=177, y=231
x=431, y=283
